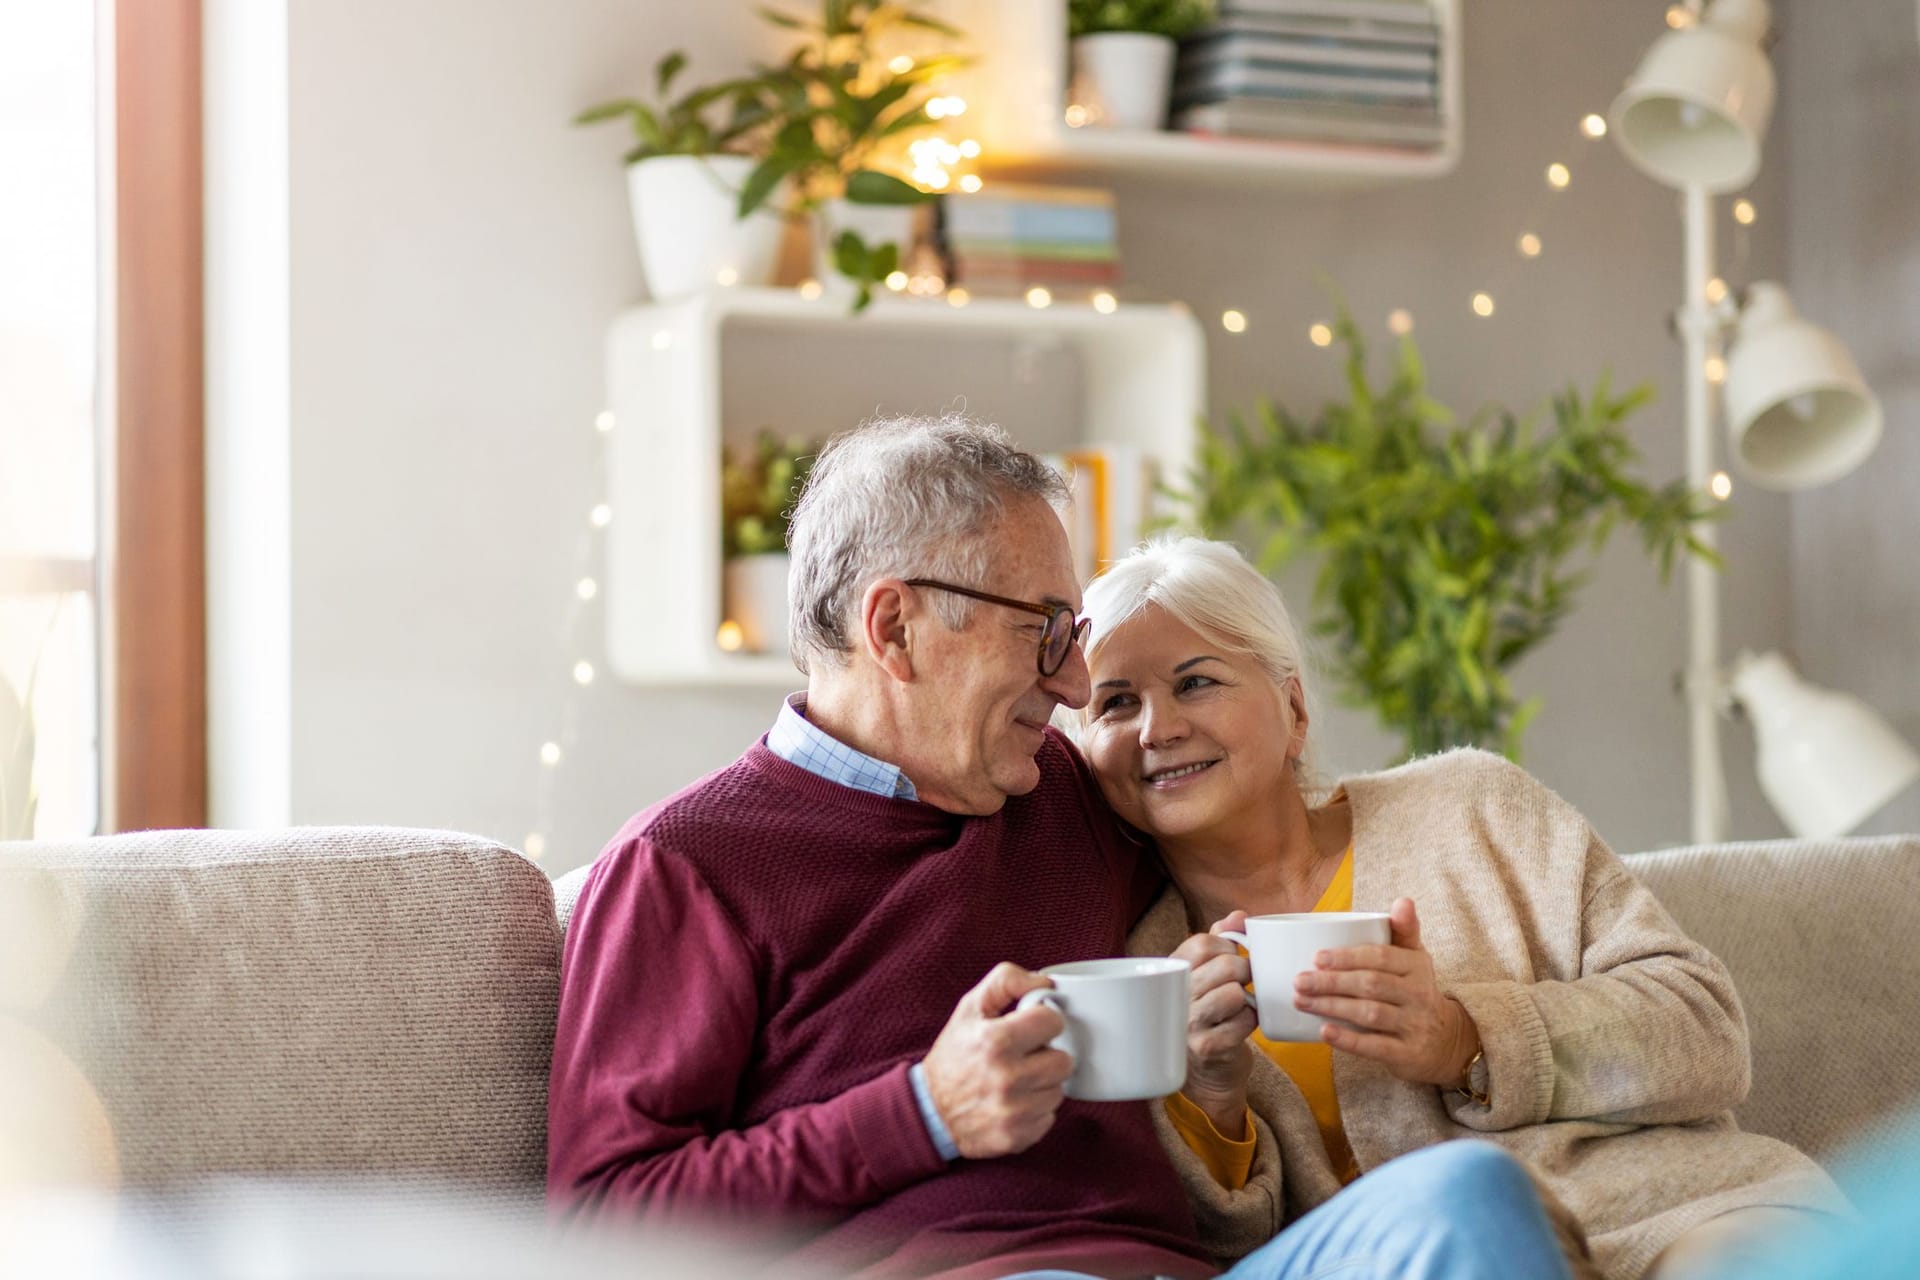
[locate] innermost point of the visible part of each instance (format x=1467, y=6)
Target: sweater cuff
x=1228, y=1160
x=883, y=1121
x=1517, y=1055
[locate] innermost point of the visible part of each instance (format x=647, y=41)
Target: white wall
x=1853, y=131
x=457, y=251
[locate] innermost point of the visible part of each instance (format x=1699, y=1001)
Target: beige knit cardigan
x=1598, y=1017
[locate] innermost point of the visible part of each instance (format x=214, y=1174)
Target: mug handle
x=1058, y=1003
x=1234, y=935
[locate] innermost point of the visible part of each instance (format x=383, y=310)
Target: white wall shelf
x=1138, y=379
x=1018, y=89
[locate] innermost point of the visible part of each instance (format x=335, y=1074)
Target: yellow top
x=1310, y=1066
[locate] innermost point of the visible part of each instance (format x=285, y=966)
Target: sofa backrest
x=1820, y=938
x=293, y=1004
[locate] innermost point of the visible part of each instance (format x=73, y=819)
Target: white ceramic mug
x=1283, y=947
x=1126, y=1025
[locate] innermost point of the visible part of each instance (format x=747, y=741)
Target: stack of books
x=1353, y=72
x=1011, y=237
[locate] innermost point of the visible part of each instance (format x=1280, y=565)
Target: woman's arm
x=1650, y=1032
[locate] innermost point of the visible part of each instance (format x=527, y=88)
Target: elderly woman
x=1538, y=996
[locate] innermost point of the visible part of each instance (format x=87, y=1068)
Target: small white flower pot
x=684, y=223
x=877, y=224
x=1123, y=78
x=756, y=600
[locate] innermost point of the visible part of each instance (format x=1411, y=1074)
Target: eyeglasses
x=1057, y=638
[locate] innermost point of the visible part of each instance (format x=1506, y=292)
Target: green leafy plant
x=832, y=107
x=680, y=127
x=1445, y=548
x=759, y=486
x=1175, y=18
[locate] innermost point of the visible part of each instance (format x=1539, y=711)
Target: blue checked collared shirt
x=799, y=741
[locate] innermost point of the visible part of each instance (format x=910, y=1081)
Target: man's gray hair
x=910, y=497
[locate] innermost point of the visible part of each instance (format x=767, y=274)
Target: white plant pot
x=756, y=600
x=876, y=224
x=1123, y=78
x=684, y=223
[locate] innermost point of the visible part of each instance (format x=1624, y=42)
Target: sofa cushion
x=1819, y=937
x=296, y=1004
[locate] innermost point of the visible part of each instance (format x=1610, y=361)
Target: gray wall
x=1853, y=264
x=457, y=251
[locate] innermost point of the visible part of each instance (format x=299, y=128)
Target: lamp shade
x=1826, y=762
x=1696, y=110
x=1798, y=411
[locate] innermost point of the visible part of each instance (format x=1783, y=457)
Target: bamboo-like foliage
x=1447, y=551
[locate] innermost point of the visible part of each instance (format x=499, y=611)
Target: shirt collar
x=799, y=741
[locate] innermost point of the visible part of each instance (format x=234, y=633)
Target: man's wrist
x=936, y=1126
x=1226, y=1112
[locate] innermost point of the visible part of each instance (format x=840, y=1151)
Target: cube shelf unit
x=1141, y=376
x=1017, y=95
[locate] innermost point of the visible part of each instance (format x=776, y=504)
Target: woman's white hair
x=910, y=497
x=1210, y=587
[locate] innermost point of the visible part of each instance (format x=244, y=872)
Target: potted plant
x=1444, y=547
x=835, y=106
x=684, y=176
x=759, y=486
x=1123, y=53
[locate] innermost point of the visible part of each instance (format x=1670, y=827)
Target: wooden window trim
x=155, y=711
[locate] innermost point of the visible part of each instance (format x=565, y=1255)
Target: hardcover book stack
x=1011, y=237
x=1345, y=72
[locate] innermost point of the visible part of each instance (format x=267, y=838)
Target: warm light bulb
x=586, y=588
x=726, y=277
x=956, y=106
x=900, y=65
x=1558, y=176
x=1233, y=321
x=969, y=149
x=549, y=753
x=810, y=289
x=936, y=108
x=730, y=637
x=1076, y=116
x=583, y=673
x=1744, y=213
x=1716, y=370
x=896, y=280
x=601, y=516
x=971, y=183
x=1105, y=303
x=662, y=339
x=939, y=180
x=1483, y=304
x=1529, y=245
x=535, y=845
x=1679, y=17
x=1400, y=321
x=1039, y=296
x=1320, y=335
x=958, y=296
x=1721, y=486
x=603, y=421
x=1594, y=126
x=1716, y=290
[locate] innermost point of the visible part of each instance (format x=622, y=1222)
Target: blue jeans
x=1457, y=1211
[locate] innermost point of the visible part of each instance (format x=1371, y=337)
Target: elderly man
x=789, y=990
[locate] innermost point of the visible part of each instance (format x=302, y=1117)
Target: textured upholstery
x=296, y=1003
x=1820, y=937
x=566, y=892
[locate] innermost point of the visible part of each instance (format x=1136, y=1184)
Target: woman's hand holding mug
x=1219, y=1020
x=1394, y=1009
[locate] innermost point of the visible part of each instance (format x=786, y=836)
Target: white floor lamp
x=1693, y=117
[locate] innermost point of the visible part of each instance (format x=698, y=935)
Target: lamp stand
x=1699, y=334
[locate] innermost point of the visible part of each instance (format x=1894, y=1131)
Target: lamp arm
x=1700, y=330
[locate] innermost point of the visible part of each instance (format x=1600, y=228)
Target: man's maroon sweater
x=753, y=966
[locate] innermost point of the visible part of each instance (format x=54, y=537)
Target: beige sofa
x=366, y=1002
